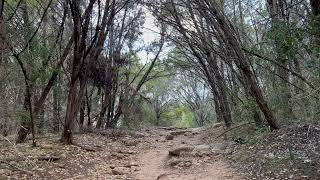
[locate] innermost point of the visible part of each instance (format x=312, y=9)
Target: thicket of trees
x=74, y=65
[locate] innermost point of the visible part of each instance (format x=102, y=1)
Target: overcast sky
x=149, y=35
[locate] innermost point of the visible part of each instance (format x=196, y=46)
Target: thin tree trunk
x=104, y=107
x=82, y=113
x=88, y=100
x=242, y=63
x=56, y=109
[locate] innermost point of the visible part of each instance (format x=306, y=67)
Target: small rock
x=219, y=146
x=139, y=135
x=177, y=133
x=4, y=177
x=174, y=162
x=170, y=144
x=118, y=171
x=46, y=146
x=187, y=163
x=216, y=125
x=180, y=163
x=127, y=152
x=133, y=164
x=4, y=171
x=118, y=156
x=201, y=150
x=169, y=137
x=179, y=150
x=130, y=142
x=271, y=155
x=202, y=147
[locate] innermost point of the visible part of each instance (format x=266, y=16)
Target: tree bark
x=82, y=113
x=104, y=108
x=242, y=63
x=56, y=109
x=315, y=5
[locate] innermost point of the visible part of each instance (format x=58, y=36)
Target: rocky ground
x=162, y=153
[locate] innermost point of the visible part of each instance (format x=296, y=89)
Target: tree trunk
x=315, y=5
x=24, y=125
x=2, y=33
x=105, y=105
x=75, y=96
x=158, y=120
x=221, y=90
x=82, y=113
x=41, y=121
x=217, y=109
x=56, y=109
x=89, y=111
x=242, y=63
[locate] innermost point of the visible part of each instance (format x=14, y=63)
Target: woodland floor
x=168, y=153
x=162, y=153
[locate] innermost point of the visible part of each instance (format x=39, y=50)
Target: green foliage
x=314, y=26
x=250, y=104
x=188, y=119
x=287, y=40
x=24, y=117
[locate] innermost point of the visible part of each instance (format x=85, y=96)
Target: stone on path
x=169, y=137
x=179, y=150
x=202, y=150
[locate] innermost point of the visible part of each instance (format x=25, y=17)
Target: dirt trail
x=156, y=163
x=118, y=155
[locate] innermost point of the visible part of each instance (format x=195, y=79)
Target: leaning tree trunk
x=222, y=90
x=243, y=64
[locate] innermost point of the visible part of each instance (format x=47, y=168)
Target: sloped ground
x=118, y=154
x=291, y=153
